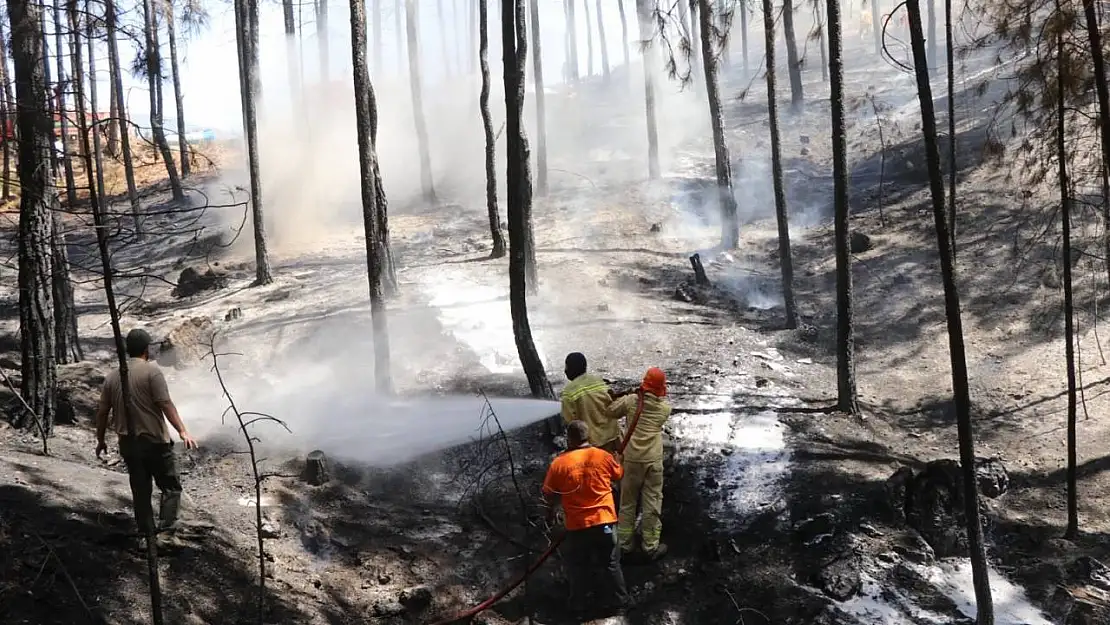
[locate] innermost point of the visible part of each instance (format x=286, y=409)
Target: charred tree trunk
x=949, y=47
x=496, y=233
x=67, y=347
x=572, y=42
x=247, y=86
x=644, y=12
x=743, y=8
x=417, y=88
x=931, y=38
x=322, y=38
x=112, y=148
x=514, y=46
x=178, y=94
x=624, y=36
x=1094, y=35
x=125, y=130
x=793, y=63
x=782, y=215
x=845, y=322
x=292, y=60
x=730, y=225
x=9, y=121
x=98, y=163
x=365, y=112
x=541, y=98
x=1072, y=531
x=36, y=133
x=63, y=119
x=589, y=39
x=821, y=45
x=154, y=79
x=101, y=228
x=961, y=392
x=600, y=42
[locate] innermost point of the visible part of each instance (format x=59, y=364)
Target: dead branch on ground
x=30, y=411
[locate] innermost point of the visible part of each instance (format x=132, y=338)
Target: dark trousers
x=594, y=562
x=149, y=458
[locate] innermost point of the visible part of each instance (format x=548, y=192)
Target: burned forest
x=417, y=312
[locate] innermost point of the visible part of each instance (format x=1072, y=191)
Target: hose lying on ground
x=558, y=540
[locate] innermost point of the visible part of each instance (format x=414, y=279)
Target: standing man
x=642, y=485
x=148, y=450
x=581, y=478
x=585, y=398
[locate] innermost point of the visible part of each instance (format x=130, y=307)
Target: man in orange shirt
x=582, y=478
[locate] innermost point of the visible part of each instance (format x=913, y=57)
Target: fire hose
x=558, y=540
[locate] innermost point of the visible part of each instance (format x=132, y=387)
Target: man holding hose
x=642, y=484
x=581, y=478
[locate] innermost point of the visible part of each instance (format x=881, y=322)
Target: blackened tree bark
x=247, y=86
x=36, y=133
x=931, y=37
x=961, y=391
x=61, y=87
x=541, y=109
x=514, y=53
x=8, y=113
x=950, y=53
x=178, y=94
x=417, y=88
x=589, y=39
x=572, y=42
x=730, y=225
x=112, y=149
x=600, y=42
x=386, y=262
x=116, y=71
x=624, y=36
x=365, y=106
x=782, y=215
x=496, y=234
x=322, y=38
x=845, y=322
x=645, y=10
x=154, y=79
x=67, y=346
x=1099, y=63
x=1072, y=531
x=101, y=227
x=793, y=62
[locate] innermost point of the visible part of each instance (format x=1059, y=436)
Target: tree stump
x=316, y=468
x=699, y=270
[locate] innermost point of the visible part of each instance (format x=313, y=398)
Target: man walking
x=581, y=478
x=642, y=484
x=144, y=439
x=585, y=398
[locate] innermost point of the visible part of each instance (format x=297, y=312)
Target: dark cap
x=137, y=342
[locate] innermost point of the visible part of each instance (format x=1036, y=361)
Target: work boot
x=659, y=551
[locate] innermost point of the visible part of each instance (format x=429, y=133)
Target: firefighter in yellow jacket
x=642, y=485
x=585, y=398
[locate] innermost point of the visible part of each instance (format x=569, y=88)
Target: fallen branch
x=30, y=411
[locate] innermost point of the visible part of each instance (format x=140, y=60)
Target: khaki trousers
x=641, y=488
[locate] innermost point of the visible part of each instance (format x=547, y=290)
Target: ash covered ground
x=774, y=511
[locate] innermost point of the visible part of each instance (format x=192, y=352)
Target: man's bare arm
x=103, y=409
x=170, y=411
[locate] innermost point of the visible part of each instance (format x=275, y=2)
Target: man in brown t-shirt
x=147, y=448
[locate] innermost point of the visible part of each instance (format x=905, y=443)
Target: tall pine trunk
x=322, y=38
x=514, y=52
x=496, y=234
x=36, y=133
x=730, y=225
x=572, y=42
x=782, y=215
x=366, y=114
x=743, y=8
x=961, y=391
x=1099, y=64
x=1072, y=531
x=541, y=98
x=178, y=94
x=248, y=50
x=821, y=27
x=589, y=39
x=154, y=80
x=845, y=321
x=624, y=37
x=67, y=346
x=793, y=63
x=63, y=119
x=950, y=54
x=600, y=42
x=110, y=17
x=644, y=12
x=113, y=122
x=98, y=156
x=417, y=88
x=101, y=228
x=9, y=121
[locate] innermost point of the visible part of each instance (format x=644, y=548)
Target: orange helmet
x=655, y=382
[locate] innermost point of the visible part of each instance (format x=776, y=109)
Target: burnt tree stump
x=699, y=271
x=316, y=468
